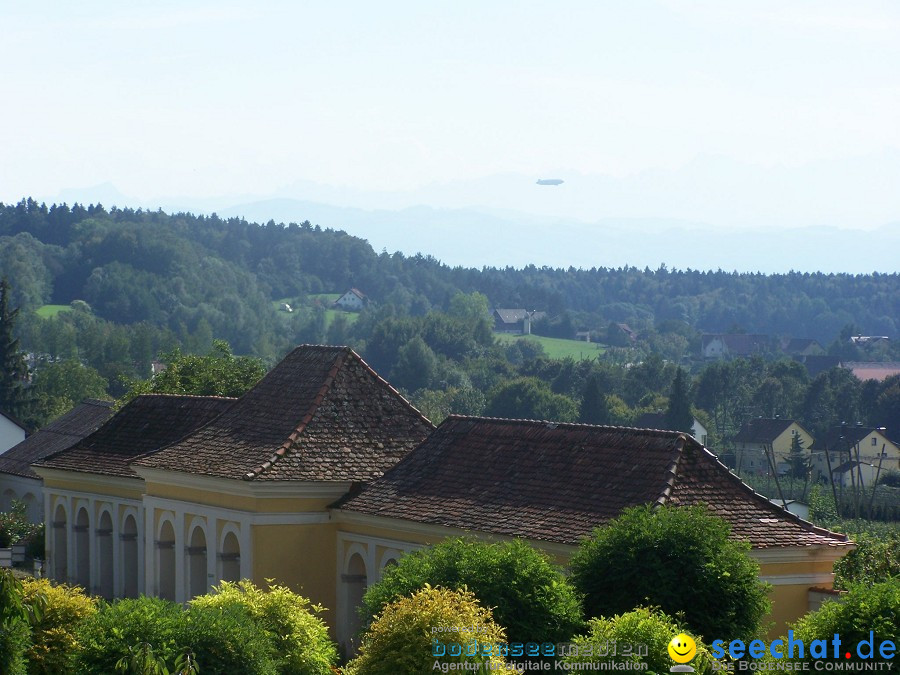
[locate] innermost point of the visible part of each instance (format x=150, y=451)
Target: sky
x=723, y=113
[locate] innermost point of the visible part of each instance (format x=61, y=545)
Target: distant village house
x=856, y=455
x=516, y=321
x=762, y=441
x=353, y=300
x=658, y=421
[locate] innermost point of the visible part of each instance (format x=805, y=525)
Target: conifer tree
x=13, y=369
x=678, y=414
x=594, y=406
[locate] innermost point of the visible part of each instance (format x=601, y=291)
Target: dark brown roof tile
x=61, y=433
x=144, y=425
x=557, y=482
x=322, y=414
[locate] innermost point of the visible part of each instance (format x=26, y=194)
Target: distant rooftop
x=61, y=433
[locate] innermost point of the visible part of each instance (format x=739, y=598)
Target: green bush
x=301, y=637
x=528, y=596
x=63, y=609
x=679, y=559
x=117, y=628
x=15, y=634
x=864, y=608
x=401, y=639
x=640, y=627
x=226, y=640
x=873, y=560
x=15, y=526
x=222, y=639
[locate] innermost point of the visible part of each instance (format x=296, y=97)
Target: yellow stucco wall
x=781, y=446
x=302, y=557
x=789, y=603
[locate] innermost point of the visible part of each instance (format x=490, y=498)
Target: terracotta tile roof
x=557, y=482
x=872, y=370
x=61, y=433
x=762, y=430
x=322, y=414
x=144, y=425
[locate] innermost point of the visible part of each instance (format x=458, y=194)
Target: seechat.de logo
x=682, y=649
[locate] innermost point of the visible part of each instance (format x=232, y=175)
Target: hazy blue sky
x=773, y=112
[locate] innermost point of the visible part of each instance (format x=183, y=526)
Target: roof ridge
x=153, y=394
x=672, y=471
x=764, y=501
x=99, y=402
x=575, y=425
x=339, y=362
x=387, y=384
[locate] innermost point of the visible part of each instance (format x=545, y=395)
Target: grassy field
x=326, y=299
x=48, y=311
x=558, y=348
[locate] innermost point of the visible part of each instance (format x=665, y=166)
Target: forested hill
x=188, y=274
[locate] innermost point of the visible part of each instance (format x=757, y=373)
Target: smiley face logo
x=682, y=648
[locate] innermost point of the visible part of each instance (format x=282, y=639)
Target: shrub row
x=238, y=628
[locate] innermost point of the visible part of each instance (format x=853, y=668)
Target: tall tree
x=678, y=414
x=13, y=369
x=797, y=460
x=219, y=373
x=594, y=406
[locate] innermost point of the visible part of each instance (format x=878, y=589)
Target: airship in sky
x=549, y=181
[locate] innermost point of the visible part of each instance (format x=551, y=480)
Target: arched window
x=129, y=539
x=165, y=546
x=231, y=558
x=82, y=531
x=33, y=509
x=356, y=580
x=60, y=544
x=105, y=556
x=197, y=556
x=7, y=500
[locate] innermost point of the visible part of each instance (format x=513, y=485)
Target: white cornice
x=245, y=488
x=90, y=480
x=799, y=554
x=238, y=515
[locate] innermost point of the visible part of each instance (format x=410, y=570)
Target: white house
x=658, y=421
x=11, y=432
x=353, y=300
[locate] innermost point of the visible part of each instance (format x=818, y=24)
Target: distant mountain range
x=471, y=237
x=829, y=215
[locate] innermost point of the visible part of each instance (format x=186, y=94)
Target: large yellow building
x=322, y=475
